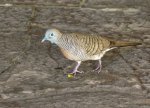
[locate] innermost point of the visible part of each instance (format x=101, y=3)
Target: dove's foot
x=75, y=70
x=98, y=68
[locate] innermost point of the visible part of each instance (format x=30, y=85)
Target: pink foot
x=75, y=70
x=98, y=69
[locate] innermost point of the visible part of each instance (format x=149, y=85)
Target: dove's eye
x=52, y=34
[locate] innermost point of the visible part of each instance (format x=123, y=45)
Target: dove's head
x=52, y=35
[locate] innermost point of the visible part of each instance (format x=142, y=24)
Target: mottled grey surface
x=29, y=77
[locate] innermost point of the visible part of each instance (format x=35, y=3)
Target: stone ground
x=29, y=73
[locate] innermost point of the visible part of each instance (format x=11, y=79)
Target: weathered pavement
x=29, y=77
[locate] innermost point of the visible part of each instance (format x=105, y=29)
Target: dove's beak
x=43, y=40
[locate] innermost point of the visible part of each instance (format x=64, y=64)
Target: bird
x=81, y=47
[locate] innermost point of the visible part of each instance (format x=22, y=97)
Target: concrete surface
x=29, y=73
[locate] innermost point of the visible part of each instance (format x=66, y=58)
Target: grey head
x=52, y=35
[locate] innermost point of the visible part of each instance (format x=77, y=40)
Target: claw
x=98, y=68
x=75, y=70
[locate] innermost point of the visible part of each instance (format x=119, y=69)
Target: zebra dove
x=81, y=47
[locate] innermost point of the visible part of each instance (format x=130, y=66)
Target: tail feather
x=123, y=43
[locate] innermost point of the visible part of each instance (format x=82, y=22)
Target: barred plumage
x=81, y=47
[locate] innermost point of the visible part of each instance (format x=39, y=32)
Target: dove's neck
x=57, y=40
x=64, y=42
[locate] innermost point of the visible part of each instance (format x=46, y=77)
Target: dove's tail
x=123, y=43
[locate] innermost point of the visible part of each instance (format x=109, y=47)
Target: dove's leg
x=75, y=70
x=98, y=68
